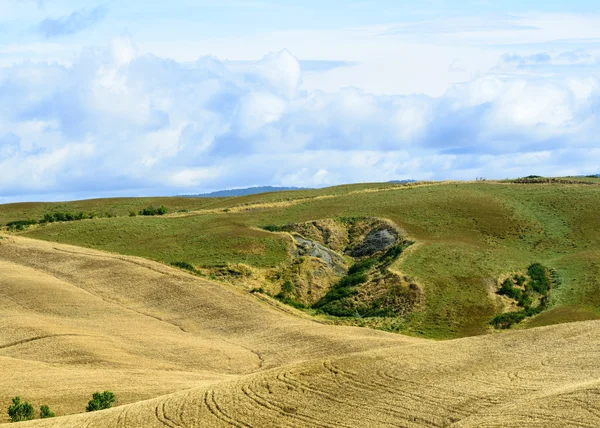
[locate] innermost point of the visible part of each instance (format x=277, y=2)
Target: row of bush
x=57, y=217
x=535, y=179
x=23, y=411
x=508, y=319
x=150, y=211
x=80, y=215
x=20, y=411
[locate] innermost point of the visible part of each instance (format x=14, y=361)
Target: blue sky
x=158, y=98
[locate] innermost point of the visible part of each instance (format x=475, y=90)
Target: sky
x=138, y=98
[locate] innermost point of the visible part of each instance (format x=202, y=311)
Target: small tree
x=19, y=412
x=45, y=412
x=101, y=401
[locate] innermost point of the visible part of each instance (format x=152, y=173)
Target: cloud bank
x=118, y=123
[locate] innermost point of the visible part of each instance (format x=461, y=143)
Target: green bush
x=520, y=280
x=507, y=320
x=507, y=289
x=352, y=280
x=336, y=294
x=340, y=308
x=288, y=287
x=20, y=224
x=337, y=301
x=362, y=266
x=271, y=228
x=19, y=412
x=151, y=211
x=45, y=412
x=393, y=253
x=524, y=300
x=101, y=401
x=184, y=265
x=539, y=278
x=539, y=283
x=290, y=301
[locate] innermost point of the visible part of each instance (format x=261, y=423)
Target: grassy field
x=467, y=236
x=181, y=351
x=115, y=206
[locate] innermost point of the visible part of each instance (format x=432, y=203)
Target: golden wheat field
x=182, y=351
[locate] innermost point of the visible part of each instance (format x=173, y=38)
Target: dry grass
x=201, y=354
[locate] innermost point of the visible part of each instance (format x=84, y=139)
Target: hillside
x=467, y=238
x=201, y=353
x=76, y=320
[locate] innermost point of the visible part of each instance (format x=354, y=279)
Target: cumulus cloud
x=73, y=23
x=117, y=122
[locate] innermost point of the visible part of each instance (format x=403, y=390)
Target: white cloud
x=117, y=120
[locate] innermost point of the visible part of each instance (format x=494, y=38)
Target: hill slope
x=75, y=320
x=468, y=238
x=203, y=354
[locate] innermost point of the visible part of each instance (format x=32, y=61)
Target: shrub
x=524, y=301
x=539, y=282
x=45, y=412
x=271, y=228
x=362, y=266
x=352, y=280
x=151, y=211
x=184, y=265
x=101, y=401
x=132, y=213
x=288, y=287
x=393, y=253
x=336, y=294
x=506, y=289
x=290, y=301
x=19, y=412
x=20, y=224
x=539, y=278
x=520, y=280
x=340, y=308
x=506, y=320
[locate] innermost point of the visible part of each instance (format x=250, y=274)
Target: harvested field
x=180, y=351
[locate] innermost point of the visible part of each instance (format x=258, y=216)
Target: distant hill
x=244, y=192
x=402, y=181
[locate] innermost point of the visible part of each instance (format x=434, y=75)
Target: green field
x=467, y=236
x=114, y=206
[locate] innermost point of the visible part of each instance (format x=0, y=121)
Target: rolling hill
x=183, y=351
x=466, y=239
